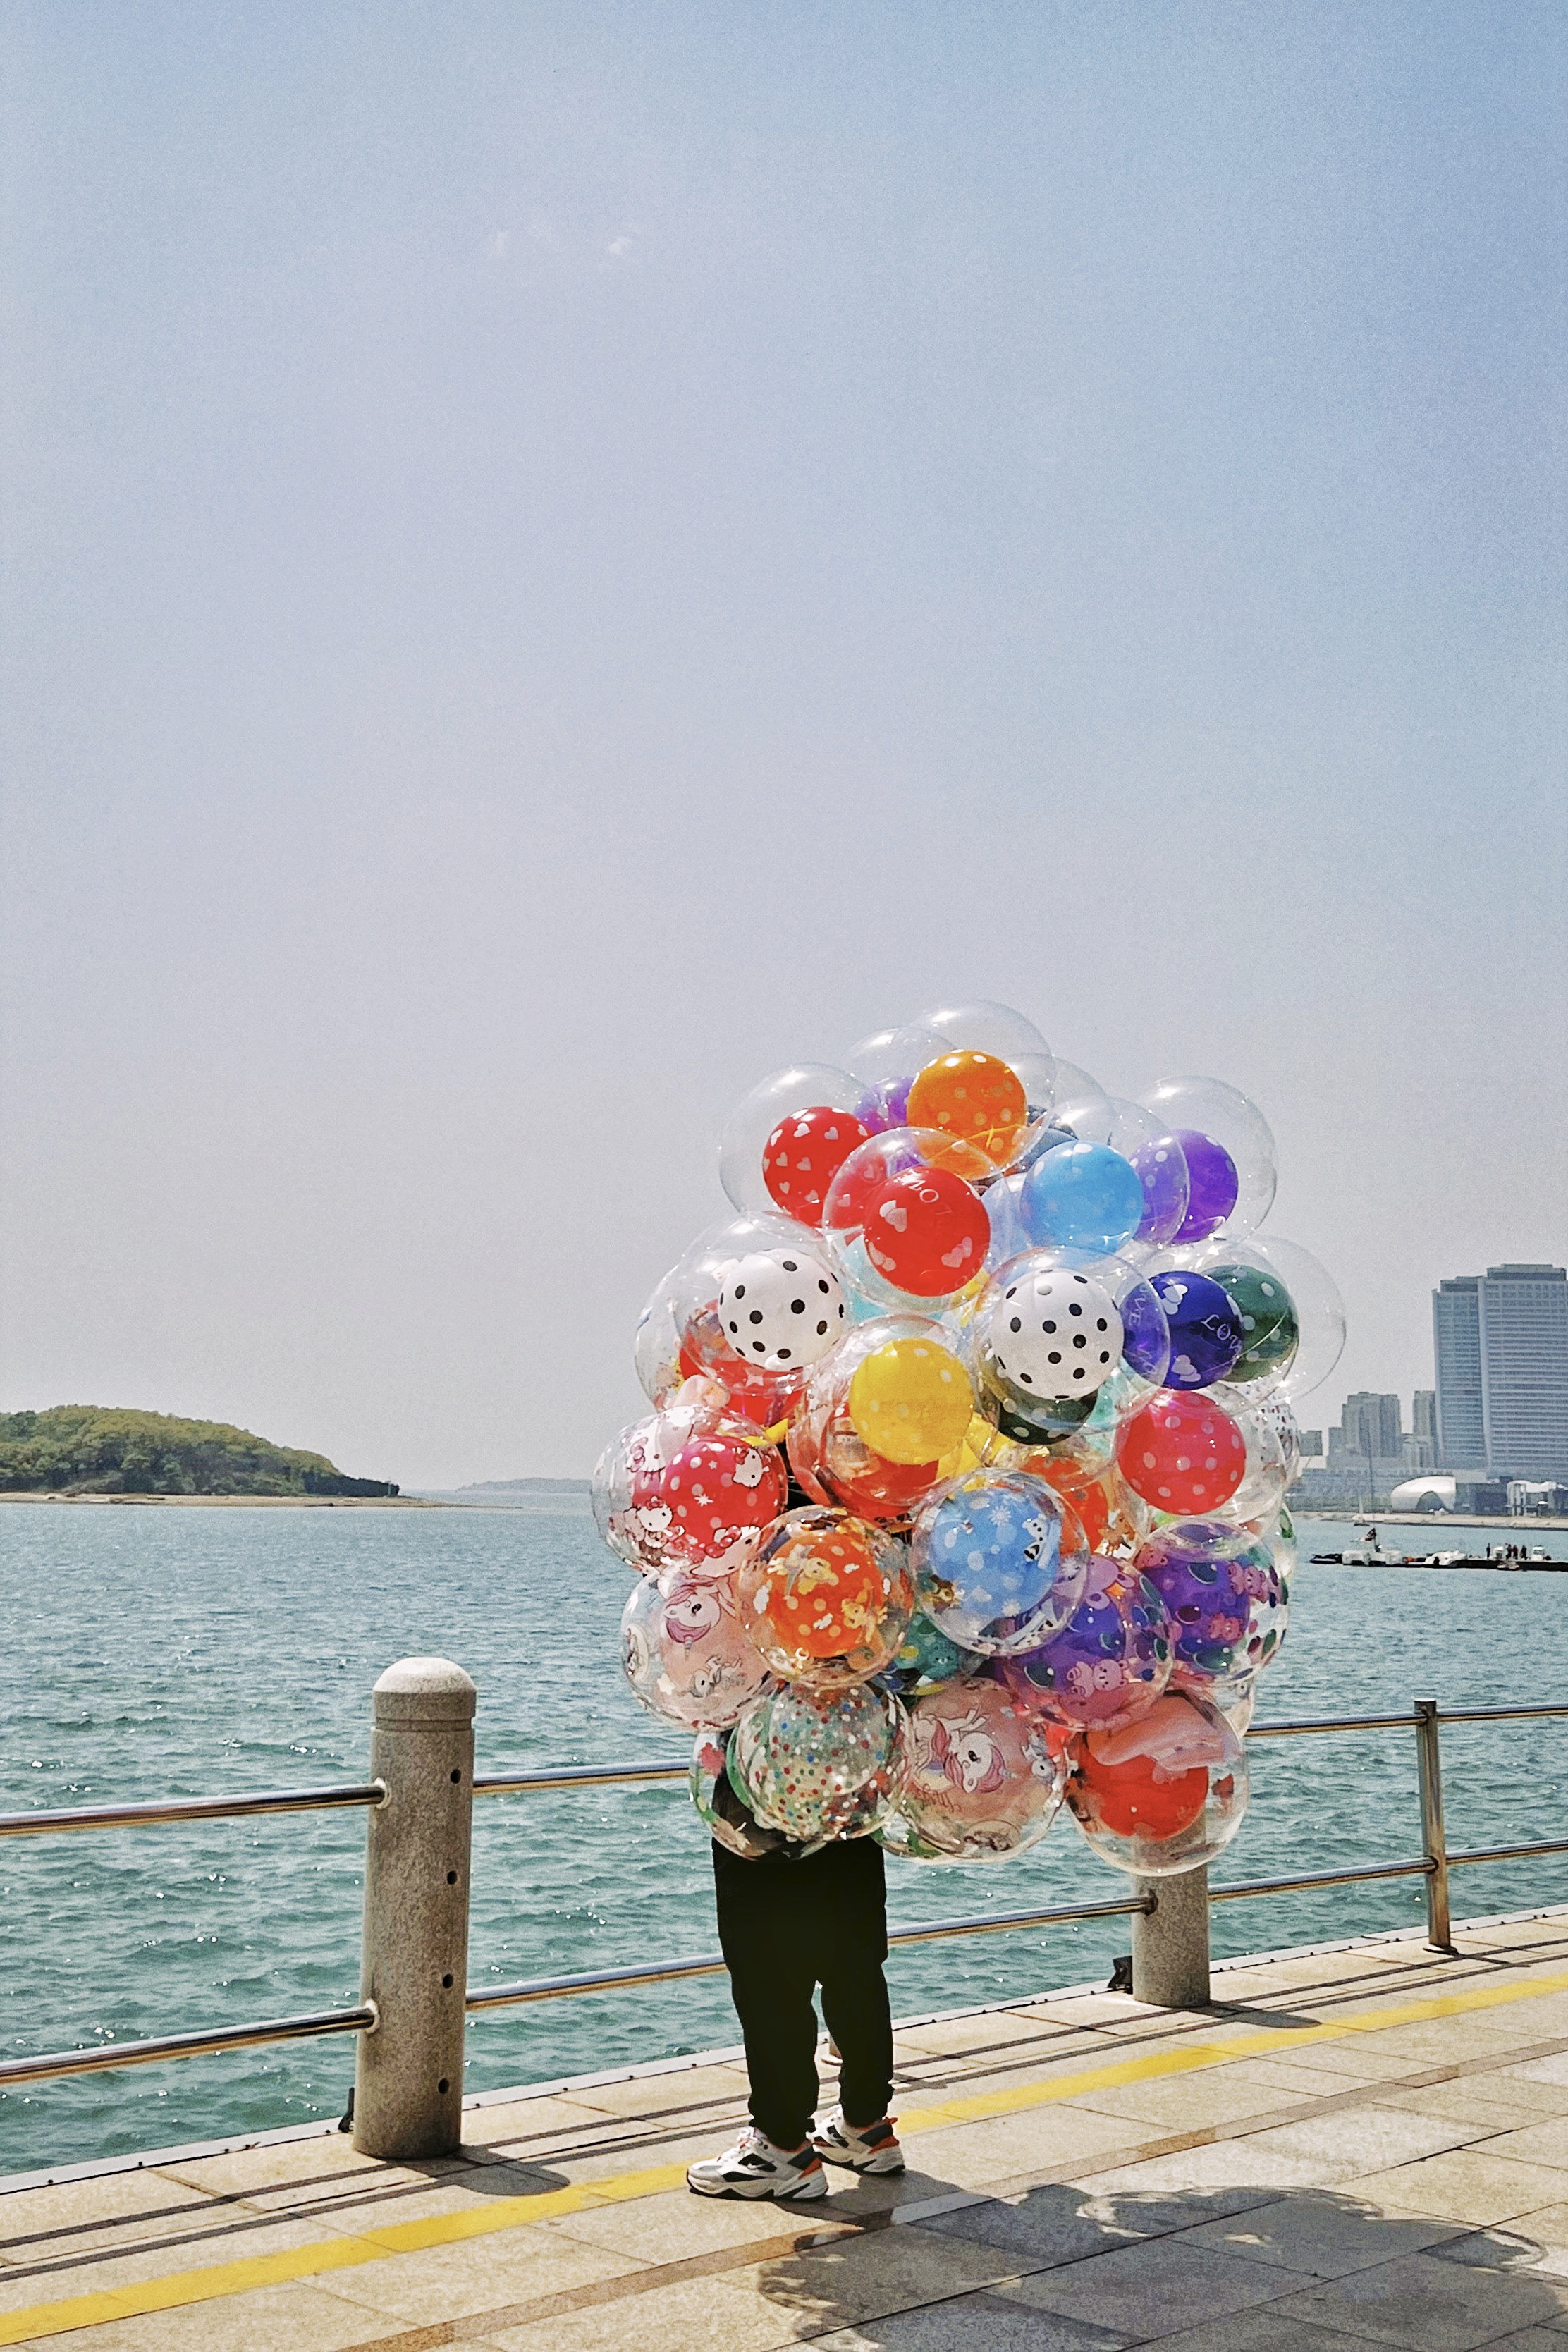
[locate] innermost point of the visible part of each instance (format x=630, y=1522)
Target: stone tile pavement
x=1359, y=2146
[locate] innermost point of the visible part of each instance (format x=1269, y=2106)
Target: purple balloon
x=1211, y=1580
x=1206, y=1336
x=1212, y=1184
x=1163, y=1172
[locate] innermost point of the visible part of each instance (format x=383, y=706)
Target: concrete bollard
x=1171, y=1943
x=408, y=2083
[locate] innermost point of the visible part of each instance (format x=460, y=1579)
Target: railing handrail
x=49, y=1820
x=46, y=1820
x=1144, y=1905
x=99, y=2055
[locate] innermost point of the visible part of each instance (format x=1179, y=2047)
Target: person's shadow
x=1224, y=2270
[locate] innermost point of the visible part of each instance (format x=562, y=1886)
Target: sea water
x=181, y=1651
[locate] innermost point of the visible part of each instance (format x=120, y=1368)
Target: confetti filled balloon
x=685, y=1650
x=982, y=1781
x=1207, y=1335
x=820, y=1765
x=1000, y=1562
x=729, y=1822
x=1110, y=1661
x=1181, y=1454
x=1161, y=1795
x=827, y=1599
x=975, y=1096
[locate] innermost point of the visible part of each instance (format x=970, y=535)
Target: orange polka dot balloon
x=827, y=1599
x=973, y=1096
x=1182, y=1453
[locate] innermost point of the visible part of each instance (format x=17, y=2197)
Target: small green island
x=91, y=1449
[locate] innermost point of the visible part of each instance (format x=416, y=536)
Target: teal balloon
x=1081, y=1196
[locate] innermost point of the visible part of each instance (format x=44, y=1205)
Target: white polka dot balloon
x=1056, y=1334
x=782, y=1307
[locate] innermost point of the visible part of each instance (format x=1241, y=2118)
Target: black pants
x=787, y=1926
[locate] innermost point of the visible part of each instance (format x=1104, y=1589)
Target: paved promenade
x=1363, y=2147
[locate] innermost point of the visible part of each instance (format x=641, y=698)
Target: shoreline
x=1435, y=1520
x=241, y=1502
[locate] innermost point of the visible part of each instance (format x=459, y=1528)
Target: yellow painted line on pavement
x=222, y=2280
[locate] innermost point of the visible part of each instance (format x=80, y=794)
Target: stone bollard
x=1171, y=1943
x=408, y=2084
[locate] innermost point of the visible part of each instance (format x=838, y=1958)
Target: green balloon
x=1268, y=1318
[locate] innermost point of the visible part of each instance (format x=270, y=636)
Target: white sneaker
x=875, y=2149
x=755, y=2168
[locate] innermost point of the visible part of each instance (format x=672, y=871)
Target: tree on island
x=91, y=1449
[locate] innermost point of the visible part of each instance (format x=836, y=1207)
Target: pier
x=1355, y=2145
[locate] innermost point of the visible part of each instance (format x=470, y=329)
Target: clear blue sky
x=557, y=558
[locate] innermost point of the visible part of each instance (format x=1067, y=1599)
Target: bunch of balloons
x=962, y=1495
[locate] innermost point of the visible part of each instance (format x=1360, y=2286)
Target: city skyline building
x=1501, y=1341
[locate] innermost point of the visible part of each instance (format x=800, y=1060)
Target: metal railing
x=370, y=2018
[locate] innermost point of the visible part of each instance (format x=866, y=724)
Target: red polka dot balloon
x=720, y=1493
x=926, y=1231
x=1182, y=1453
x=804, y=1154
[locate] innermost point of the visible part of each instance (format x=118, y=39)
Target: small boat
x=1363, y=1555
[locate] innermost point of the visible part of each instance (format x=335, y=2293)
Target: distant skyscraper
x=1371, y=1425
x=1501, y=1345
x=1424, y=1416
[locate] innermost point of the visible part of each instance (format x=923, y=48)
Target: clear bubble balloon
x=827, y=1599
x=820, y=1765
x=1145, y=1143
x=1164, y=1794
x=995, y=1029
x=982, y=1781
x=1266, y=1471
x=1183, y=1454
x=885, y=1065
x=758, y=1385
x=727, y=1820
x=872, y=1414
x=1290, y=1305
x=784, y=1140
x=1000, y=1561
x=685, y=1489
x=1039, y=1335
x=1224, y=1598
x=925, y=1659
x=1110, y=1661
x=685, y=1650
x=1232, y=1166
x=1207, y=1334
x=906, y=1218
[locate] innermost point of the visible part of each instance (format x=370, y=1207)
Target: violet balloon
x=1213, y=1185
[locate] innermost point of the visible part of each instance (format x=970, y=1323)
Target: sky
x=559, y=558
